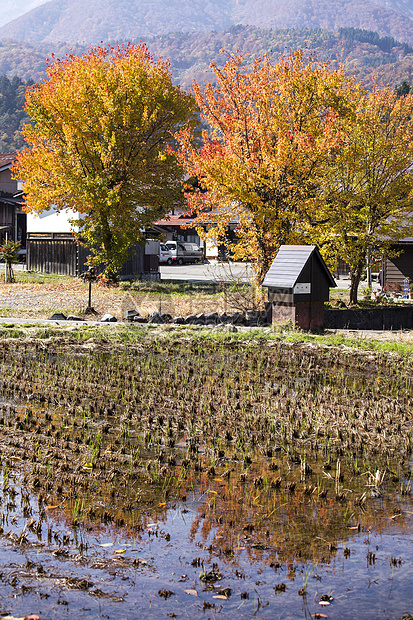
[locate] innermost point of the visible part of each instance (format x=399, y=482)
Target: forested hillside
x=12, y=115
x=76, y=21
x=28, y=60
x=363, y=52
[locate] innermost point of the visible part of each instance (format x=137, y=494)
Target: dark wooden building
x=298, y=283
x=12, y=216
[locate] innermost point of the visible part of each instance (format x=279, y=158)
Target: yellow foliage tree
x=101, y=127
x=365, y=202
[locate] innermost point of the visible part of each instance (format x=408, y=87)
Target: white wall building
x=52, y=221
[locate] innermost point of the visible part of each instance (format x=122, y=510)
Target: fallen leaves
x=221, y=596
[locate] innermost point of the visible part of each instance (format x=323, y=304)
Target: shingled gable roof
x=290, y=262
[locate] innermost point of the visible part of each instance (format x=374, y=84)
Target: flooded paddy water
x=186, y=479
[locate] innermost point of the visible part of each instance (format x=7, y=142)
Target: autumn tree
x=102, y=127
x=9, y=252
x=365, y=203
x=272, y=128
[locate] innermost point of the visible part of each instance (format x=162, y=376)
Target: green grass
x=134, y=333
x=16, y=313
x=124, y=334
x=171, y=287
x=379, y=346
x=35, y=277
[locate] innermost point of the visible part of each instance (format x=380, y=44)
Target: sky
x=10, y=9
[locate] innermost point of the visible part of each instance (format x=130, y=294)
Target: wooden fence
x=61, y=254
x=55, y=253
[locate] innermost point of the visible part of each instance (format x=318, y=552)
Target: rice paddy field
x=176, y=473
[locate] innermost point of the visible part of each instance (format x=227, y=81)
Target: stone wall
x=383, y=317
x=252, y=318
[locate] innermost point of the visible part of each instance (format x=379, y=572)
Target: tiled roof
x=174, y=220
x=7, y=158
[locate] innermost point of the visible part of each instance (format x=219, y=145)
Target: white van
x=184, y=252
x=165, y=255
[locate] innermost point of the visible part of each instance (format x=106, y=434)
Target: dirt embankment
x=41, y=300
x=34, y=300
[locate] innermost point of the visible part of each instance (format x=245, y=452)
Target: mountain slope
x=11, y=9
x=363, y=53
x=92, y=21
x=405, y=7
x=103, y=20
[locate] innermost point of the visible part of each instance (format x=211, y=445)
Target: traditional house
x=176, y=226
x=12, y=217
x=51, y=244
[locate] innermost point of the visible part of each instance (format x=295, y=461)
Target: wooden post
x=5, y=263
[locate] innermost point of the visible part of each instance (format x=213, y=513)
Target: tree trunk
x=264, y=258
x=355, y=277
x=111, y=267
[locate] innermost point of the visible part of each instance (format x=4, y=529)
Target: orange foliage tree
x=101, y=127
x=272, y=128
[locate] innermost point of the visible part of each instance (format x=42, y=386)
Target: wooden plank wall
x=135, y=265
x=342, y=269
x=400, y=267
x=52, y=255
x=6, y=218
